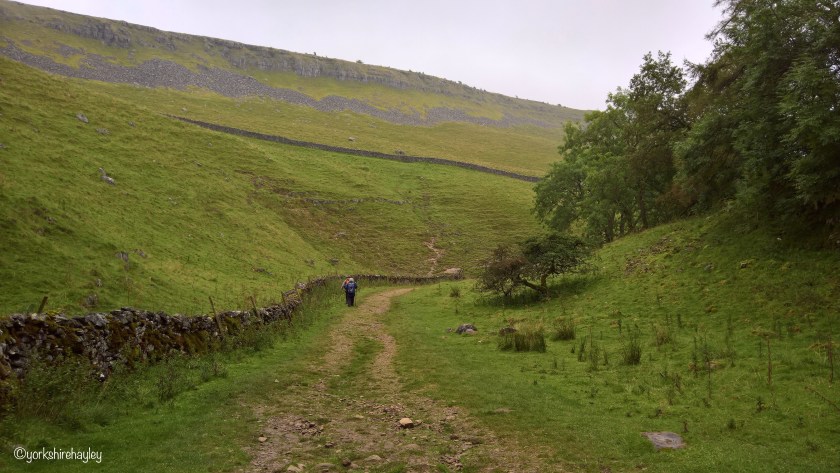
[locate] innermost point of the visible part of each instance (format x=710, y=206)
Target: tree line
x=757, y=126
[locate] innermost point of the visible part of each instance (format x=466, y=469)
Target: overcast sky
x=569, y=52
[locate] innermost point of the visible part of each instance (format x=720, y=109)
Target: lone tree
x=533, y=263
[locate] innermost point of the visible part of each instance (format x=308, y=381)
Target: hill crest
x=129, y=48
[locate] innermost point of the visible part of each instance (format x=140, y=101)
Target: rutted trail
x=349, y=418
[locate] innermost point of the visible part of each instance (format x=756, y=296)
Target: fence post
x=43, y=304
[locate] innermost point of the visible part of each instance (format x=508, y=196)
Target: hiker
x=350, y=287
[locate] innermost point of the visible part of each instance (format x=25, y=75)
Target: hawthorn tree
x=532, y=263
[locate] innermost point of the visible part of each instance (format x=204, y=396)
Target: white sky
x=569, y=52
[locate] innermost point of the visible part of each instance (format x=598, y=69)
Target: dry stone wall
x=128, y=334
x=359, y=152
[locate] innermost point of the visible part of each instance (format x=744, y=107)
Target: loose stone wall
x=128, y=334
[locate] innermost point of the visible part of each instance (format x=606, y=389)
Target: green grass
x=215, y=215
x=685, y=280
x=203, y=426
x=523, y=149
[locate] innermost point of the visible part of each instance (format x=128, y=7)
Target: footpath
x=356, y=416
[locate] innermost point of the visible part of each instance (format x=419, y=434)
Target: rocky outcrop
x=234, y=81
x=162, y=73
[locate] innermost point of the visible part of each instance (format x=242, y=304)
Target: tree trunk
x=542, y=290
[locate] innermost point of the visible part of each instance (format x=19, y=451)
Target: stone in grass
x=262, y=439
x=82, y=118
x=105, y=177
x=466, y=329
x=406, y=423
x=662, y=440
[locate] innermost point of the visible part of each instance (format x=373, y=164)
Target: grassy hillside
x=199, y=214
x=733, y=326
x=526, y=150
x=73, y=40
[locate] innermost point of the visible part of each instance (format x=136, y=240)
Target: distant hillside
x=105, y=203
x=116, y=51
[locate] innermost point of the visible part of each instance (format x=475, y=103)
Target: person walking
x=350, y=288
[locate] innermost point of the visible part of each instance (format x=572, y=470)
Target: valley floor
x=351, y=416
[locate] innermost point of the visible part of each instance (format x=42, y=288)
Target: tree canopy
x=532, y=263
x=759, y=126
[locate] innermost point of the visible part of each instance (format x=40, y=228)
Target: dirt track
x=349, y=419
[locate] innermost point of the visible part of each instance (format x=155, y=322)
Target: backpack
x=350, y=287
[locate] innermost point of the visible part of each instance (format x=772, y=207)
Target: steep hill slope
x=194, y=213
x=301, y=96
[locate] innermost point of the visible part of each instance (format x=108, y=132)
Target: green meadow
x=732, y=325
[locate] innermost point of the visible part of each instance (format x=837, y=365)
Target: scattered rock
x=456, y=273
x=103, y=131
x=105, y=177
x=333, y=261
x=466, y=329
x=82, y=118
x=373, y=459
x=351, y=139
x=262, y=439
x=122, y=255
x=132, y=124
x=406, y=423
x=662, y=440
x=295, y=468
x=324, y=466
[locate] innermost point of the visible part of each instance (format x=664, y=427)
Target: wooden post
x=212, y=306
x=43, y=304
x=254, y=304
